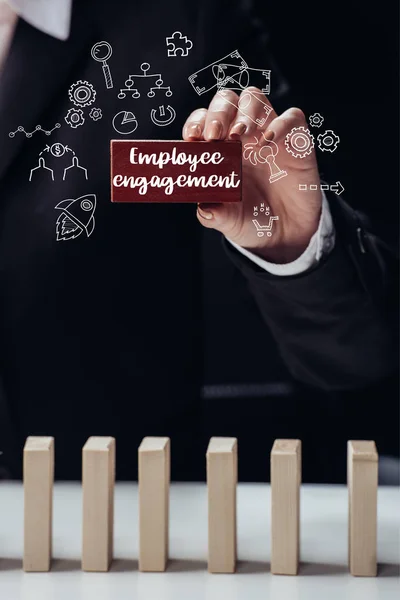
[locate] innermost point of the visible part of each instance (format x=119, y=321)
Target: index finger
x=221, y=113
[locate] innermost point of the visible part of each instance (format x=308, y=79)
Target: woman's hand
x=298, y=211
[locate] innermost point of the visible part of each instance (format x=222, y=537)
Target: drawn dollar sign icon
x=57, y=150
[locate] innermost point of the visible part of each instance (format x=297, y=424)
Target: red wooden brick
x=176, y=171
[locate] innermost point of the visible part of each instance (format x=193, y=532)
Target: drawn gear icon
x=316, y=120
x=328, y=141
x=96, y=114
x=74, y=117
x=82, y=93
x=299, y=142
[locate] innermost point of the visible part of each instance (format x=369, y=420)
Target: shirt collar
x=50, y=16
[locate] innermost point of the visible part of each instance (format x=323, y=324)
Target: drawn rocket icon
x=76, y=216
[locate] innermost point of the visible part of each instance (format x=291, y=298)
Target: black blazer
x=114, y=322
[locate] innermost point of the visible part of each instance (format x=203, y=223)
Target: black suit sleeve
x=335, y=325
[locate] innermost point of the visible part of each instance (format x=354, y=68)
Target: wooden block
x=362, y=481
x=98, y=479
x=38, y=503
x=285, y=506
x=222, y=482
x=154, y=479
x=176, y=171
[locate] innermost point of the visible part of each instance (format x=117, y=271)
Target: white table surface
x=323, y=573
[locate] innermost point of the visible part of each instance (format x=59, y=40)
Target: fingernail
x=193, y=131
x=268, y=135
x=205, y=213
x=214, y=130
x=238, y=129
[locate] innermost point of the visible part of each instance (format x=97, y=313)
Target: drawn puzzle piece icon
x=179, y=44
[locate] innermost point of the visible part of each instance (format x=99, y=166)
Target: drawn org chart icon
x=144, y=84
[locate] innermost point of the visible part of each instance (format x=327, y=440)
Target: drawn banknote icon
x=230, y=72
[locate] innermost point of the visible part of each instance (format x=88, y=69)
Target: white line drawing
x=337, y=187
x=41, y=165
x=75, y=165
x=179, y=44
x=244, y=101
x=299, y=142
x=102, y=52
x=37, y=128
x=230, y=72
x=328, y=141
x=74, y=117
x=82, y=93
x=125, y=122
x=240, y=80
x=210, y=76
x=96, y=114
x=316, y=120
x=57, y=150
x=159, y=86
x=130, y=82
x=264, y=154
x=263, y=229
x=163, y=122
x=77, y=216
x=261, y=209
x=233, y=73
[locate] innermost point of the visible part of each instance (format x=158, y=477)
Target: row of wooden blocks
x=98, y=478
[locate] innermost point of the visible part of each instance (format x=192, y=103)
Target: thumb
x=222, y=217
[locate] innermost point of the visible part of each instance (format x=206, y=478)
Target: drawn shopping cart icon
x=265, y=229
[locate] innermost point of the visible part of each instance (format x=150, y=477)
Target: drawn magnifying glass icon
x=101, y=52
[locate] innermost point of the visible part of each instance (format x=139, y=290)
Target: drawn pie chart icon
x=125, y=122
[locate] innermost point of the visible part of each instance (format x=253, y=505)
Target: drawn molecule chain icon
x=29, y=134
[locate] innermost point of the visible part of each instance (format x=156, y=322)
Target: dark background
x=341, y=60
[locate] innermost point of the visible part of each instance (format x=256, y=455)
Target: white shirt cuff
x=321, y=244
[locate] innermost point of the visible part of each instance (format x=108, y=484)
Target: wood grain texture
x=98, y=479
x=38, y=503
x=128, y=174
x=222, y=465
x=154, y=480
x=285, y=506
x=362, y=481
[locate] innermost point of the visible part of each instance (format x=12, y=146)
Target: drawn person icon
x=75, y=165
x=41, y=165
